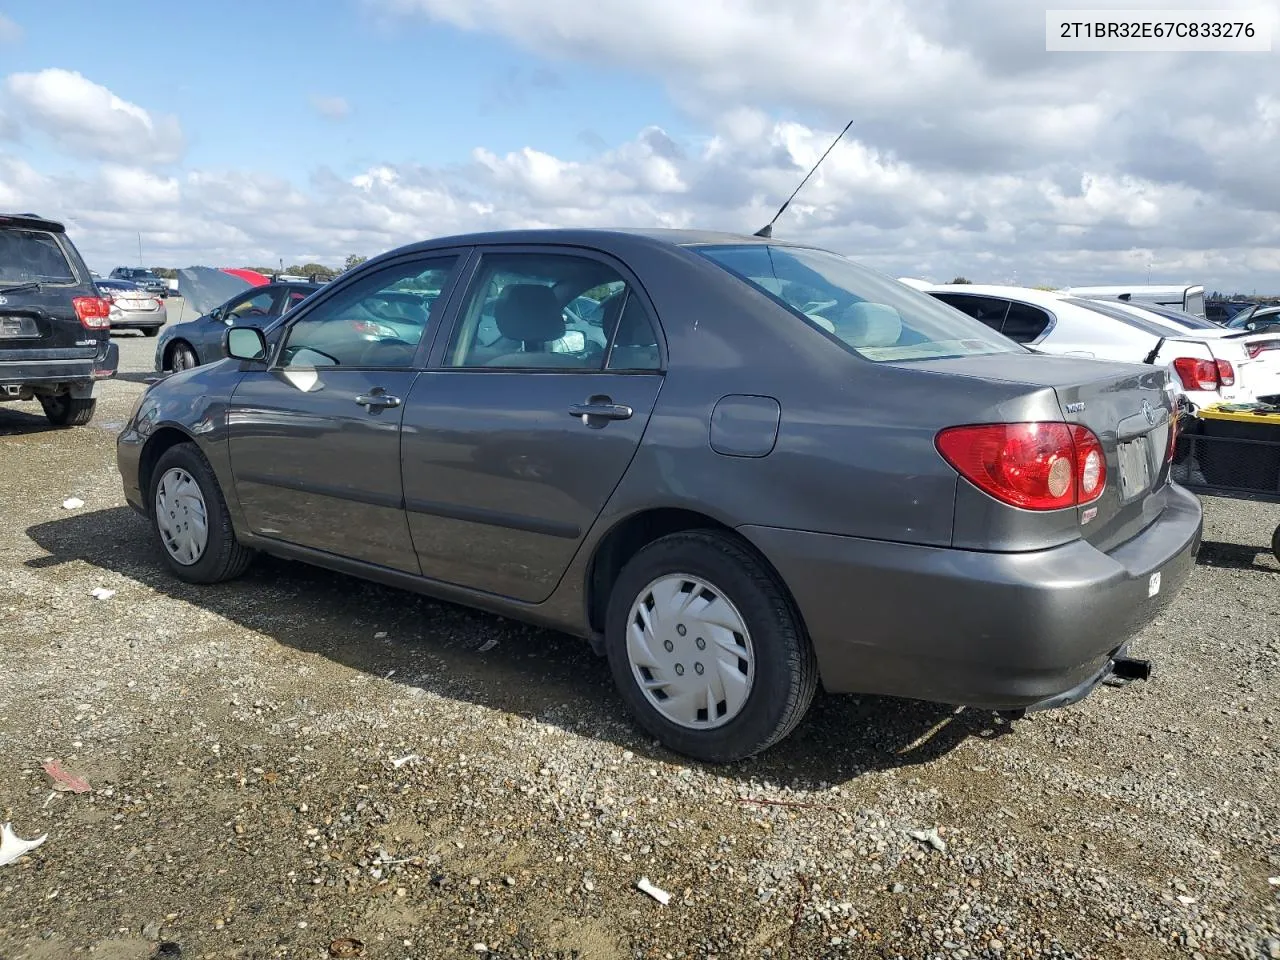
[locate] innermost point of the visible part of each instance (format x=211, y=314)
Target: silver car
x=133, y=308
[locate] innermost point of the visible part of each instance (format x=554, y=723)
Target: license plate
x=13, y=328
x=1135, y=468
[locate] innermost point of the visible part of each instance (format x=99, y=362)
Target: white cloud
x=87, y=118
x=10, y=32
x=331, y=108
x=973, y=151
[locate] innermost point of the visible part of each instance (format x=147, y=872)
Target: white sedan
x=1211, y=365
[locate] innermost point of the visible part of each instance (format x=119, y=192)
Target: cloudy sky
x=232, y=135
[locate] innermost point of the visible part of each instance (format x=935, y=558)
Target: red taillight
x=1226, y=373
x=371, y=328
x=1198, y=374
x=1036, y=466
x=93, y=312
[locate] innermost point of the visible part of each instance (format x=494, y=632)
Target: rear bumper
x=997, y=631
x=43, y=372
x=138, y=321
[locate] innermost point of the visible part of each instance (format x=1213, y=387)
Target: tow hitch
x=1126, y=669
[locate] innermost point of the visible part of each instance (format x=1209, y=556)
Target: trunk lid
x=1128, y=406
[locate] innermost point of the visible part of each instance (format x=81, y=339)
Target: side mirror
x=245, y=343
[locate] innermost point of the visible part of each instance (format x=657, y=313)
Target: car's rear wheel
x=706, y=647
x=182, y=357
x=150, y=331
x=64, y=410
x=190, y=519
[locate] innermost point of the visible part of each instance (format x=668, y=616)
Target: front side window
x=251, y=308
x=375, y=322
x=533, y=310
x=869, y=314
x=30, y=255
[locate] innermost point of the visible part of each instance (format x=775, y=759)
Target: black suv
x=54, y=326
x=147, y=280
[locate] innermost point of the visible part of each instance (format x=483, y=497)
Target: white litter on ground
x=644, y=886
x=72, y=503
x=102, y=593
x=13, y=847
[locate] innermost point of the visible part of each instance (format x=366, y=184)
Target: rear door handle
x=600, y=408
x=377, y=400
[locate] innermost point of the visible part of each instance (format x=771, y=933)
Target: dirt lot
x=239, y=742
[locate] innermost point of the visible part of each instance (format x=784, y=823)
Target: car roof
x=606, y=239
x=30, y=221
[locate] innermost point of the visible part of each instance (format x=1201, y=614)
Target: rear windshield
x=27, y=255
x=1147, y=322
x=869, y=314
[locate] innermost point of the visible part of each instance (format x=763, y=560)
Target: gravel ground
x=297, y=758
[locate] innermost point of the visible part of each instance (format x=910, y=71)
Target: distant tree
x=165, y=273
x=353, y=261
x=265, y=271
x=960, y=280
x=308, y=269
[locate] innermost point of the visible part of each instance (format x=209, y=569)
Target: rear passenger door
x=527, y=418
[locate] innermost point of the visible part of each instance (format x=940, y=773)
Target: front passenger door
x=315, y=439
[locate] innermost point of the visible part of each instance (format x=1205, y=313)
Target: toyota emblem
x=1149, y=413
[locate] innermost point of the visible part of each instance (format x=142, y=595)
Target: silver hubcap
x=690, y=652
x=181, y=516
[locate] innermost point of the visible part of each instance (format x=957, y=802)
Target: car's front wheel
x=64, y=410
x=707, y=649
x=182, y=357
x=190, y=519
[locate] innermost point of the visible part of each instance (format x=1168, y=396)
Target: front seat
x=530, y=314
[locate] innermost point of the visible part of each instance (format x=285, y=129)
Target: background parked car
x=1210, y=364
x=1222, y=311
x=197, y=342
x=1184, y=296
x=1257, y=320
x=147, y=280
x=55, y=337
x=133, y=308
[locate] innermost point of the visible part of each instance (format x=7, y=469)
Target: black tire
x=150, y=331
x=786, y=670
x=182, y=357
x=224, y=558
x=65, y=410
x=1275, y=543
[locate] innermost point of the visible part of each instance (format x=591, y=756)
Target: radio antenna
x=767, y=230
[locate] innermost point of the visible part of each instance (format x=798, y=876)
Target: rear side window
x=987, y=310
x=27, y=255
x=1024, y=322
x=867, y=313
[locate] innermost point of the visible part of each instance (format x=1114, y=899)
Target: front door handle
x=377, y=399
x=597, y=411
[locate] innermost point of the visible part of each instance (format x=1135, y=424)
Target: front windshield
x=1241, y=320
x=868, y=313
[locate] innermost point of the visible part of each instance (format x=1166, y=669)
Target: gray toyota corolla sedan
x=772, y=468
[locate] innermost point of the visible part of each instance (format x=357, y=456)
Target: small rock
x=898, y=888
x=930, y=837
x=151, y=931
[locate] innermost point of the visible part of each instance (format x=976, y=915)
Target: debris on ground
x=644, y=886
x=102, y=593
x=399, y=762
x=13, y=847
x=487, y=645
x=72, y=503
x=64, y=781
x=929, y=837
x=346, y=947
